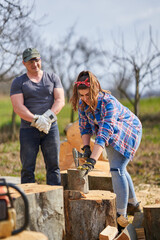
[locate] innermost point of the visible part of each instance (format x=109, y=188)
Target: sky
x=102, y=20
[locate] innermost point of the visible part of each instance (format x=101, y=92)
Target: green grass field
x=145, y=167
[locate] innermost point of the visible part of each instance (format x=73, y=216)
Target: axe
x=76, y=156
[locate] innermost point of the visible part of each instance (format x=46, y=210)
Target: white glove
x=35, y=118
x=41, y=123
x=50, y=116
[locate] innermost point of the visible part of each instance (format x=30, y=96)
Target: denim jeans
x=30, y=141
x=121, y=180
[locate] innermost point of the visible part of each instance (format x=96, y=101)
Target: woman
x=117, y=130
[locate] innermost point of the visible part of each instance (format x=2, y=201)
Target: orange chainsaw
x=7, y=211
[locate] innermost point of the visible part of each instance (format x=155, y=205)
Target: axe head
x=76, y=156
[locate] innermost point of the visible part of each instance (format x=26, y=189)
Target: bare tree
x=15, y=27
x=16, y=32
x=71, y=56
x=136, y=68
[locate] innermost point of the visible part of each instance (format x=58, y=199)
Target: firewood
x=109, y=233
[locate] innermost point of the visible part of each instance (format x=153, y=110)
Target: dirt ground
x=147, y=194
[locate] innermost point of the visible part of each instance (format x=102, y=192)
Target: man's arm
x=59, y=100
x=19, y=107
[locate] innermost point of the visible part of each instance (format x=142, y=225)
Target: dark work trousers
x=30, y=141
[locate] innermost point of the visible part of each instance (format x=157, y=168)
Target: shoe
x=131, y=209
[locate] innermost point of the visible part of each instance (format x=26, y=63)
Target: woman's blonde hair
x=94, y=89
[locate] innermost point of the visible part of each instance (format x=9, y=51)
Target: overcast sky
x=98, y=19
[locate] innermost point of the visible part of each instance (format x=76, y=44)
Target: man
x=37, y=97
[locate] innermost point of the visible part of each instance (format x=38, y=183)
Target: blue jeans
x=30, y=140
x=121, y=180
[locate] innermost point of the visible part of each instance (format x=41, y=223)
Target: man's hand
x=88, y=165
x=41, y=123
x=87, y=151
x=50, y=116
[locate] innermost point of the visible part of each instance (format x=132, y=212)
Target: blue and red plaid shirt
x=116, y=125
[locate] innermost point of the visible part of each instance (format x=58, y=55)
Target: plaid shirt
x=117, y=125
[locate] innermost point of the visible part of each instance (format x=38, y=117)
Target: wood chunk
x=140, y=233
x=77, y=180
x=109, y=233
x=128, y=233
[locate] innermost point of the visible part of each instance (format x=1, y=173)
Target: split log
x=46, y=209
x=128, y=233
x=87, y=216
x=77, y=180
x=109, y=233
x=152, y=221
x=25, y=235
x=97, y=180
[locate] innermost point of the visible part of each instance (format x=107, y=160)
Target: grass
x=144, y=168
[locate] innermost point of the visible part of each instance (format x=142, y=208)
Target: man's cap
x=30, y=53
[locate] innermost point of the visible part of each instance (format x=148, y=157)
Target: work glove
x=87, y=151
x=41, y=123
x=88, y=165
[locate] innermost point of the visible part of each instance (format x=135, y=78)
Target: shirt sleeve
x=57, y=81
x=107, y=125
x=84, y=125
x=16, y=86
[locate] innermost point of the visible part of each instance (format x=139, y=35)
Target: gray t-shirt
x=38, y=97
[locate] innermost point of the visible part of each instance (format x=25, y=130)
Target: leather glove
x=41, y=123
x=88, y=165
x=87, y=151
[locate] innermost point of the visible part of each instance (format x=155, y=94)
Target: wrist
x=92, y=161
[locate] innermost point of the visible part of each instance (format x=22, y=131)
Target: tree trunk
x=87, y=216
x=46, y=209
x=152, y=221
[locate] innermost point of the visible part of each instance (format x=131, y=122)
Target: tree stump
x=46, y=209
x=152, y=221
x=87, y=215
x=77, y=180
